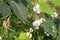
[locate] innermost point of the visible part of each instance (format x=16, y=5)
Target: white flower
x=31, y=30
x=37, y=23
x=36, y=8
x=46, y=33
x=29, y=35
x=55, y=15
x=0, y=38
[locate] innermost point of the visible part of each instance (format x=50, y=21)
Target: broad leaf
x=44, y=7
x=17, y=38
x=48, y=26
x=19, y=10
x=56, y=2
x=23, y=36
x=4, y=10
x=1, y=1
x=24, y=2
x=58, y=37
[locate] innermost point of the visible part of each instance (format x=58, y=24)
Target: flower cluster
x=37, y=23
x=29, y=35
x=36, y=8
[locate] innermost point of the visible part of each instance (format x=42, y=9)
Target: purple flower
x=36, y=8
x=37, y=23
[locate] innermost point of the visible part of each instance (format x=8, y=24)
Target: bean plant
x=29, y=19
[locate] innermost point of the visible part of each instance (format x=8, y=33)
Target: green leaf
x=23, y=36
x=4, y=10
x=47, y=26
x=56, y=2
x=24, y=2
x=11, y=34
x=58, y=37
x=44, y=7
x=19, y=10
x=17, y=38
x=1, y=1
